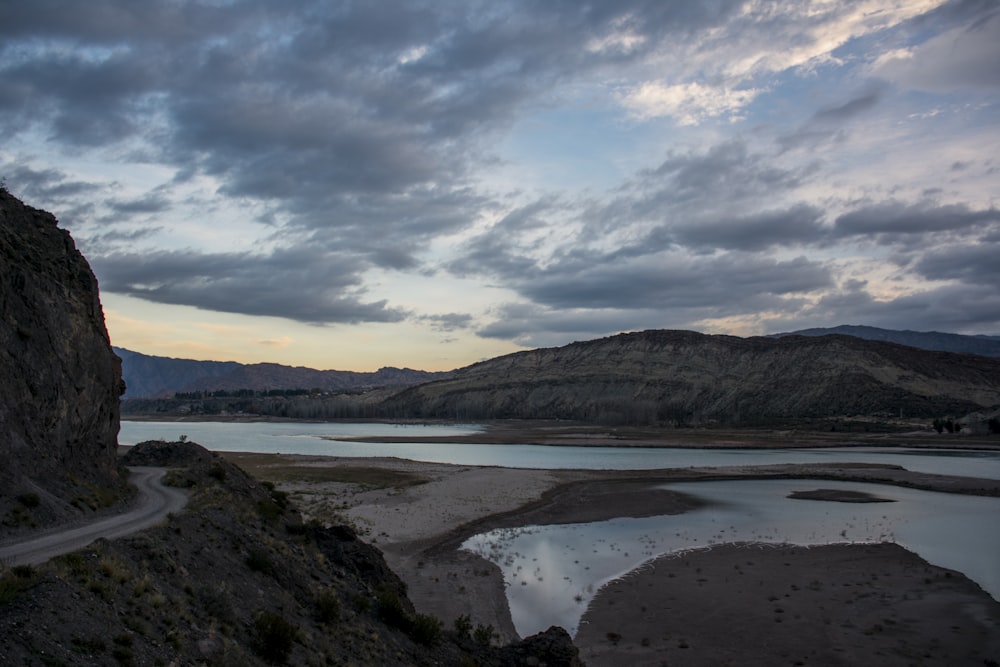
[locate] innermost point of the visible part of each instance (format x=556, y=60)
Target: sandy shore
x=847, y=604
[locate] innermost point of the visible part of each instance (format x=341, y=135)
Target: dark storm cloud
x=971, y=264
x=300, y=284
x=892, y=221
x=734, y=281
x=800, y=224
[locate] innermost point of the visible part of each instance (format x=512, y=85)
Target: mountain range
x=148, y=376
x=988, y=346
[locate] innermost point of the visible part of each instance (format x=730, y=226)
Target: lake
x=308, y=438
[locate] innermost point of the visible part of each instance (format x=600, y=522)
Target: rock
x=687, y=378
x=552, y=648
x=59, y=379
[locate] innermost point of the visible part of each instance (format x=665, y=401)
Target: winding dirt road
x=152, y=504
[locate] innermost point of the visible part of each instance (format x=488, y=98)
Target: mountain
x=59, y=379
x=654, y=377
x=988, y=346
x=149, y=376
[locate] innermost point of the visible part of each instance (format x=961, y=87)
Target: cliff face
x=59, y=379
x=679, y=376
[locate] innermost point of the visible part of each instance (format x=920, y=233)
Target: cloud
x=448, y=321
x=344, y=141
x=283, y=341
x=310, y=286
x=961, y=59
x=894, y=221
x=687, y=103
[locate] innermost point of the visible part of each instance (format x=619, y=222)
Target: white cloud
x=687, y=103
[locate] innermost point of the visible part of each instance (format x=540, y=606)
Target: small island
x=839, y=496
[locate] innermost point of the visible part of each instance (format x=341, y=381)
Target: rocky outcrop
x=59, y=379
x=671, y=377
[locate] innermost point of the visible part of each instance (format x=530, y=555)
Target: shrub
x=390, y=609
x=29, y=500
x=273, y=637
x=484, y=634
x=426, y=629
x=327, y=607
x=463, y=626
x=258, y=561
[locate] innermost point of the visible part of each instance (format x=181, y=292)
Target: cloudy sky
x=357, y=184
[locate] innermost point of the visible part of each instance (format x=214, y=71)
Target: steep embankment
x=59, y=379
x=679, y=376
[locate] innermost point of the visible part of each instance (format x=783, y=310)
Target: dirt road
x=153, y=502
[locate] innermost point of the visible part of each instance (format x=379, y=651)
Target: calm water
x=553, y=572
x=307, y=438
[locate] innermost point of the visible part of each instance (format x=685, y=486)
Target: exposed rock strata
x=59, y=379
x=685, y=377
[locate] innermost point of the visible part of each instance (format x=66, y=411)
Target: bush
x=463, y=626
x=327, y=607
x=390, y=609
x=426, y=629
x=274, y=637
x=484, y=635
x=258, y=561
x=29, y=500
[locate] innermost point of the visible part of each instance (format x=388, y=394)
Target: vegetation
x=274, y=637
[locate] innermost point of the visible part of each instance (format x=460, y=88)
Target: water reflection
x=552, y=572
x=309, y=438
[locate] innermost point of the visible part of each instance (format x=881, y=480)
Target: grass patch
x=276, y=468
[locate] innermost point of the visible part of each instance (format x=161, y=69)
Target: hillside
x=987, y=346
x=149, y=376
x=680, y=377
x=235, y=579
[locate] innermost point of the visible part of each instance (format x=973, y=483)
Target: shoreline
x=420, y=523
x=576, y=434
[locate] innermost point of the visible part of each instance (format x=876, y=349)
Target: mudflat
x=743, y=604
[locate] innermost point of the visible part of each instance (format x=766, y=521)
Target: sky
x=351, y=185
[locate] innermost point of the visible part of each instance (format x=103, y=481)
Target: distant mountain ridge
x=988, y=346
x=683, y=377
x=149, y=376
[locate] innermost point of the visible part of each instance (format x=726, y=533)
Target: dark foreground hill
x=987, y=346
x=149, y=376
x=235, y=579
x=680, y=377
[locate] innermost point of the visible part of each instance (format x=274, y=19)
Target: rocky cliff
x=59, y=379
x=685, y=377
